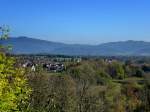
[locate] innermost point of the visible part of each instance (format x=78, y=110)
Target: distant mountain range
x=25, y=45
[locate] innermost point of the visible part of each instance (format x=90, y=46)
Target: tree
x=14, y=90
x=114, y=100
x=116, y=70
x=146, y=93
x=52, y=92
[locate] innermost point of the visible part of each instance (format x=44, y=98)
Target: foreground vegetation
x=91, y=86
x=14, y=88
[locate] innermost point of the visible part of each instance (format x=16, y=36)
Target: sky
x=78, y=21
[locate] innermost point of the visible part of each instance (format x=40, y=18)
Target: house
x=33, y=68
x=29, y=64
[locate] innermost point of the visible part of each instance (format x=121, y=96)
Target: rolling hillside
x=25, y=45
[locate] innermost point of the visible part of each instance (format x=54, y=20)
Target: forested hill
x=25, y=45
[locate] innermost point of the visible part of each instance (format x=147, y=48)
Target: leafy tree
x=51, y=92
x=132, y=91
x=14, y=90
x=146, y=94
x=116, y=70
x=114, y=100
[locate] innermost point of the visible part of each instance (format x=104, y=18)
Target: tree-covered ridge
x=26, y=45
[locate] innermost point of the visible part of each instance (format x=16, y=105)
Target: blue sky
x=78, y=21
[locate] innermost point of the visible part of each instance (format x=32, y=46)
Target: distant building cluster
x=109, y=60
x=54, y=67
x=51, y=65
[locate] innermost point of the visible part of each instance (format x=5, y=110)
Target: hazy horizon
x=78, y=21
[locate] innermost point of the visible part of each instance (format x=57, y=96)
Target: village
x=48, y=64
